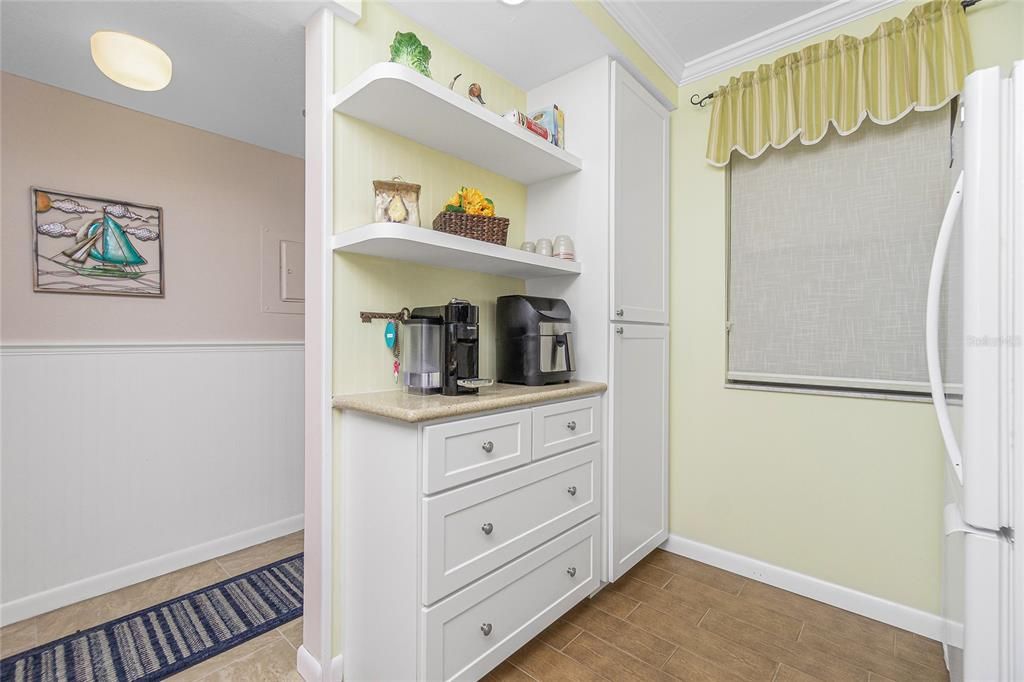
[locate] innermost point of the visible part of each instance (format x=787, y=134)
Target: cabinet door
x=638, y=461
x=639, y=258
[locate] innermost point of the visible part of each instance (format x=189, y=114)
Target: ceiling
x=238, y=66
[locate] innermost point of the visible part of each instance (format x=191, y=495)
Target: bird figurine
x=476, y=93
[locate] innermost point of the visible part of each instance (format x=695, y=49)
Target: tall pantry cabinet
x=616, y=211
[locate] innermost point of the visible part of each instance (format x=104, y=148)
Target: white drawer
x=516, y=602
x=473, y=530
x=465, y=450
x=564, y=426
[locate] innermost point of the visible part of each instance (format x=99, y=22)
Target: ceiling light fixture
x=133, y=62
x=513, y=2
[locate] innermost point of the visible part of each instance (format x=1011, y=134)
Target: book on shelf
x=521, y=119
x=552, y=118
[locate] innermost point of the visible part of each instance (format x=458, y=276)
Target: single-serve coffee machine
x=441, y=349
x=535, y=345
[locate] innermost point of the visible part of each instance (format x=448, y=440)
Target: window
x=829, y=259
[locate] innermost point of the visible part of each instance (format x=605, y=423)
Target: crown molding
x=631, y=18
x=788, y=33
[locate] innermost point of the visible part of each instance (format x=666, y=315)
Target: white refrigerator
x=983, y=570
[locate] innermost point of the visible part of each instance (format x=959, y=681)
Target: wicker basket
x=480, y=227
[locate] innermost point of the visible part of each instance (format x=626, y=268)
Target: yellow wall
x=364, y=153
x=843, y=489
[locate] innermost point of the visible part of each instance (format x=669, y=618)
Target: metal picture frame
x=84, y=244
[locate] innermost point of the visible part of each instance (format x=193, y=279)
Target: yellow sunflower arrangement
x=470, y=200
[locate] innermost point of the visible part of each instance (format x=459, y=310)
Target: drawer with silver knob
x=472, y=631
x=461, y=451
x=563, y=426
x=472, y=530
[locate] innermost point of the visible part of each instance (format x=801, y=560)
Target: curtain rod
x=698, y=101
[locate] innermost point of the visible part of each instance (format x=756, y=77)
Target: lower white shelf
x=427, y=247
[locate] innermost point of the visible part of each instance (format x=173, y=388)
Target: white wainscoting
x=123, y=462
x=898, y=615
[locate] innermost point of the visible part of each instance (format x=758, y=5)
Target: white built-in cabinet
x=463, y=538
x=638, y=456
x=639, y=203
x=620, y=202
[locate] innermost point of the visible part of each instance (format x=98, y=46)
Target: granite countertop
x=405, y=407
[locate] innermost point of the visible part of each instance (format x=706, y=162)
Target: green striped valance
x=917, y=63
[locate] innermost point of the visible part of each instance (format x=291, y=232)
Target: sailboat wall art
x=88, y=245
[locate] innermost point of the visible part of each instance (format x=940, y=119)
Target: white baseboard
x=311, y=671
x=307, y=665
x=34, y=604
x=337, y=670
x=923, y=623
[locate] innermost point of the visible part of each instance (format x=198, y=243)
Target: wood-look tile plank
x=688, y=666
x=612, y=662
x=649, y=648
x=18, y=637
x=273, y=663
x=663, y=601
x=695, y=570
x=506, y=672
x=788, y=674
x=649, y=573
x=920, y=650
x=875, y=677
x=615, y=603
x=726, y=654
x=559, y=633
x=793, y=654
x=545, y=664
x=704, y=597
x=833, y=621
x=877, y=661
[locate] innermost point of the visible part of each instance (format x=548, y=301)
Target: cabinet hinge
x=728, y=326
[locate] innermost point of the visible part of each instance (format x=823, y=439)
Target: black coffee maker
x=459, y=347
x=535, y=344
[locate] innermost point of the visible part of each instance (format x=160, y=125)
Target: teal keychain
x=391, y=341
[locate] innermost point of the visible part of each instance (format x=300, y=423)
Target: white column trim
x=314, y=657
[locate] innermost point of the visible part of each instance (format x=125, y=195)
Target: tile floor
x=670, y=618
x=267, y=658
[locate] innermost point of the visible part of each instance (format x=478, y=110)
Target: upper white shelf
x=396, y=98
x=425, y=246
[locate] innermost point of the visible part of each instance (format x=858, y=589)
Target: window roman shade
x=918, y=63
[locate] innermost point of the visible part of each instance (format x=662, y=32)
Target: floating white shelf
x=396, y=98
x=427, y=247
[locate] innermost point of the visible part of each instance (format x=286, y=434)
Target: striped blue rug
x=161, y=640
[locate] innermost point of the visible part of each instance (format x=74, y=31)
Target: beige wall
x=846, y=490
x=217, y=194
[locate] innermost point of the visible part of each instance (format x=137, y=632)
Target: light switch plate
x=281, y=292
x=293, y=271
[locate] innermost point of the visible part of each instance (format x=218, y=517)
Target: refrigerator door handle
x=932, y=328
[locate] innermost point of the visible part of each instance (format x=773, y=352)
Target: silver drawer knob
x=571, y=571
x=572, y=490
x=486, y=629
x=488, y=446
x=620, y=312
x=571, y=426
x=487, y=528
x=620, y=331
